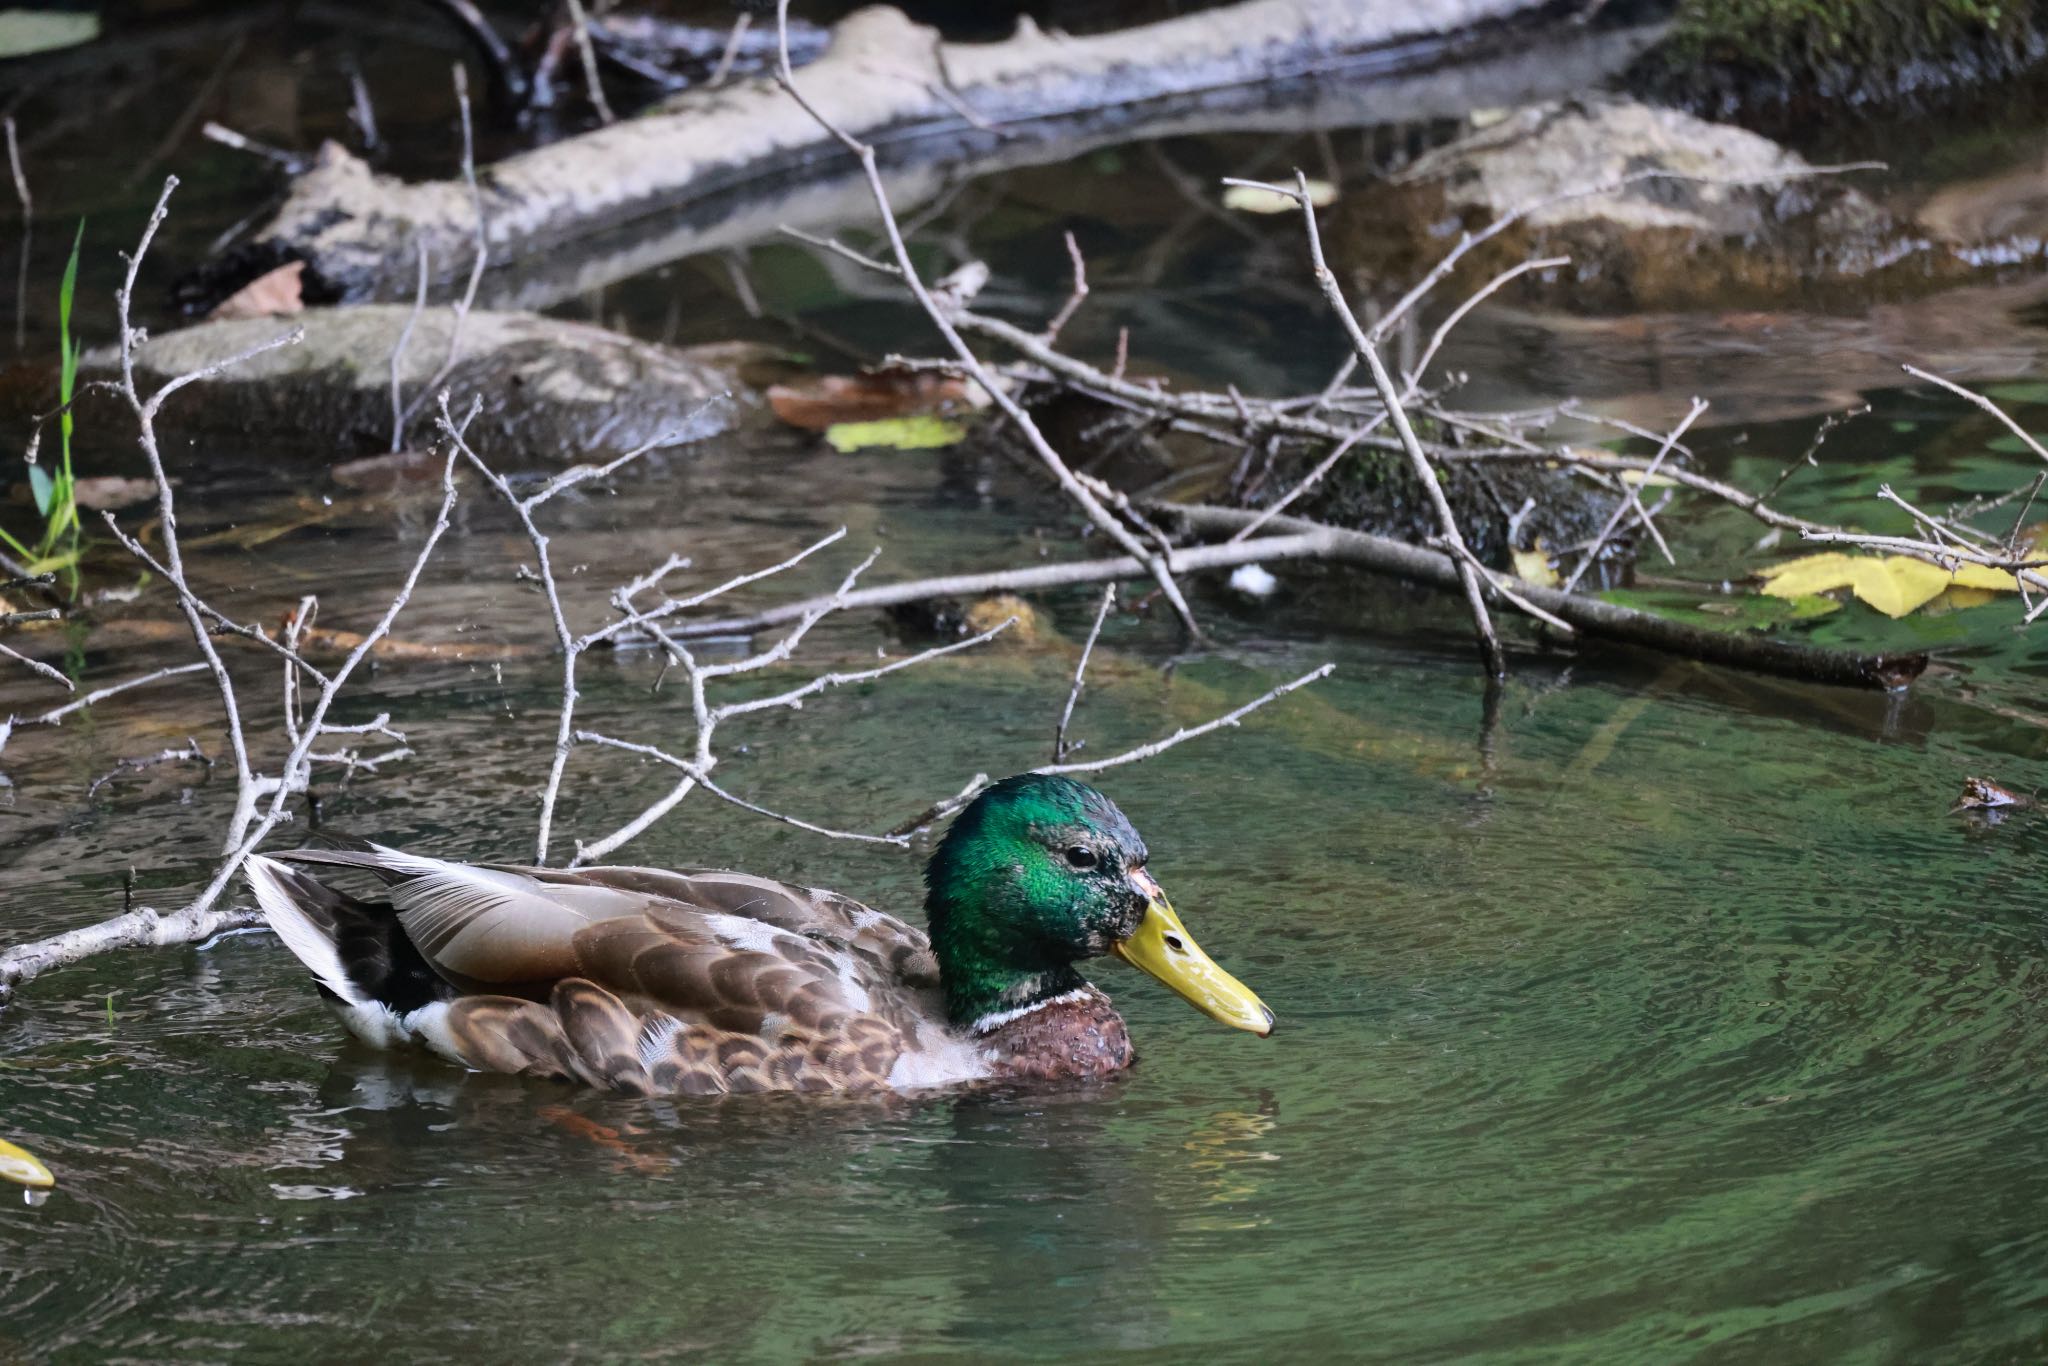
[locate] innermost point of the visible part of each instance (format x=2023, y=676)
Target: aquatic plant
x=56, y=494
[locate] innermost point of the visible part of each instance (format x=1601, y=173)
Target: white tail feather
x=308, y=942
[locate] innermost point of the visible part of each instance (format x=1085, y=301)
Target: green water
x=1654, y=1013
x=1680, y=1023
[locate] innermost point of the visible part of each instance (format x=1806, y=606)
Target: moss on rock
x=1725, y=56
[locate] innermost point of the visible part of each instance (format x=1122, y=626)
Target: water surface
x=1665, y=1016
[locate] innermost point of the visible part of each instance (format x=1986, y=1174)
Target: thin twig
x=291, y=162
x=1482, y=623
x=1060, y=749
x=419, y=306
x=732, y=49
x=1457, y=315
x=585, y=49
x=1080, y=292
x=1982, y=402
x=188, y=751
x=1630, y=502
x=1011, y=409
x=54, y=675
x=1186, y=733
x=478, y=260
x=1312, y=478
x=28, y=214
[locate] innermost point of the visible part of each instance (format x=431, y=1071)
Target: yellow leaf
x=1810, y=574
x=17, y=1164
x=897, y=433
x=1250, y=199
x=1958, y=598
x=1894, y=585
x=1646, y=479
x=1983, y=576
x=1533, y=566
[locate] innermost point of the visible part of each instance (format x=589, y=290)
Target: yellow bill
x=1162, y=946
x=18, y=1165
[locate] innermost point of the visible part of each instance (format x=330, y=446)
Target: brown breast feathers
x=1078, y=1036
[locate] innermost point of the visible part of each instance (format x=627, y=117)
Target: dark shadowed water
x=1657, y=1014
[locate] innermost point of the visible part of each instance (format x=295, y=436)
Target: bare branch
x=1457, y=315
x=1982, y=402
x=479, y=259
x=56, y=717
x=188, y=751
x=1192, y=559
x=54, y=675
x=1186, y=733
x=704, y=780
x=588, y=52
x=732, y=49
x=1489, y=643
x=796, y=696
x=1060, y=749
x=1067, y=309
x=1629, y=502
x=419, y=306
x=1312, y=478
x=28, y=215
x=1154, y=564
x=136, y=929
x=291, y=162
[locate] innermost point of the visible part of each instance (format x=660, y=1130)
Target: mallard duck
x=660, y=983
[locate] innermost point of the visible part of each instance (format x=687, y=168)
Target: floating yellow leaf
x=1893, y=584
x=1533, y=566
x=18, y=1165
x=1249, y=199
x=898, y=433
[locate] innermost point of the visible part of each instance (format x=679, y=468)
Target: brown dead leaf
x=617, y=1141
x=1982, y=794
x=381, y=473
x=269, y=295
x=321, y=641
x=821, y=401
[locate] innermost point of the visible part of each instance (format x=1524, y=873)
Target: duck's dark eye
x=1081, y=856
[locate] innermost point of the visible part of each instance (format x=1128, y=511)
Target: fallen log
x=714, y=168
x=1589, y=615
x=1297, y=539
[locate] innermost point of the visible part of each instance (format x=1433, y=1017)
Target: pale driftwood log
x=949, y=109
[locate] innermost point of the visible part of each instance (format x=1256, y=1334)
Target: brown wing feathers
x=646, y=981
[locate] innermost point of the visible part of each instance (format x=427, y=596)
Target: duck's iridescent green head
x=1040, y=872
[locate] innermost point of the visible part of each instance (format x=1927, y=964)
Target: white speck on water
x=1253, y=581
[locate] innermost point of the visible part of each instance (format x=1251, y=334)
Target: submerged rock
x=1501, y=507
x=1701, y=215
x=552, y=391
